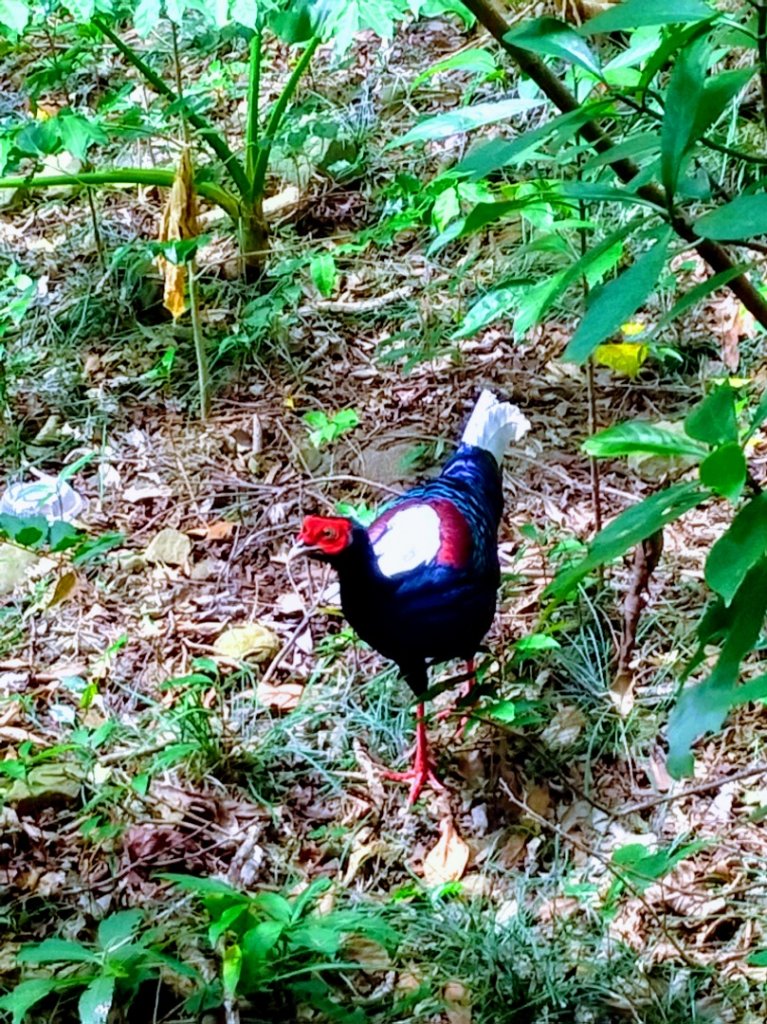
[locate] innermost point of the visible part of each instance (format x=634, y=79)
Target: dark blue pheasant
x=419, y=584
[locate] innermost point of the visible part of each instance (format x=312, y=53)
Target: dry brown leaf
x=281, y=698
x=447, y=861
x=565, y=727
x=169, y=547
x=249, y=639
x=66, y=585
x=179, y=221
x=457, y=1003
x=222, y=529
x=513, y=851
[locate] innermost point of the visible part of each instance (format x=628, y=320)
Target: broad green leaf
x=317, y=936
x=489, y=307
x=489, y=157
x=645, y=866
x=700, y=291
x=626, y=531
x=615, y=302
x=96, y=1001
x=51, y=951
x=226, y=922
x=480, y=61
x=24, y=997
x=680, y=115
x=554, y=38
x=118, y=928
x=637, y=13
x=724, y=471
x=78, y=133
x=743, y=217
x=147, y=17
x=702, y=708
x=324, y=274
x=624, y=357
x=635, y=145
x=245, y=12
x=503, y=711
x=275, y=906
x=638, y=436
x=294, y=24
x=758, y=958
x=714, y=419
x=718, y=92
x=740, y=548
x=465, y=119
x=202, y=886
x=14, y=14
x=258, y=942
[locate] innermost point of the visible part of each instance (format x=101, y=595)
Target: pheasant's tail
x=493, y=425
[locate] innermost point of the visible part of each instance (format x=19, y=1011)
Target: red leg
x=422, y=771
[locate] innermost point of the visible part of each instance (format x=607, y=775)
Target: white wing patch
x=411, y=538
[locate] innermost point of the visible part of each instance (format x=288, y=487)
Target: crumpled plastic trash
x=48, y=496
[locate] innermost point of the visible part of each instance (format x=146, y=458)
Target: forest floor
x=562, y=875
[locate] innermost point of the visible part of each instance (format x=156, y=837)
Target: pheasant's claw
x=420, y=776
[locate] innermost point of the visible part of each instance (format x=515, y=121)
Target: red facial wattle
x=328, y=534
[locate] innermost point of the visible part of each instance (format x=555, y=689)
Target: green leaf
x=92, y=550
x=758, y=958
x=231, y=968
x=554, y=38
x=96, y=1001
x=275, y=906
x=147, y=17
x=258, y=942
x=479, y=61
x=24, y=997
x=51, y=951
x=700, y=291
x=737, y=550
x=324, y=274
x=681, y=105
x=725, y=470
x=714, y=420
x=118, y=928
x=703, y=707
x=465, y=119
x=638, y=436
x=78, y=133
x=638, y=13
x=626, y=531
x=293, y=25
x=743, y=217
x=615, y=302
x=14, y=14
x=719, y=90
x=504, y=711
x=316, y=936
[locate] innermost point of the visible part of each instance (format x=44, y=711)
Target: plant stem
x=254, y=93
x=761, y=42
x=96, y=233
x=715, y=255
x=596, y=491
x=203, y=376
x=130, y=176
x=208, y=133
x=275, y=118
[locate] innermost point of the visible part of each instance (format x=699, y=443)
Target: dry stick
x=715, y=256
x=646, y=558
x=703, y=787
x=608, y=865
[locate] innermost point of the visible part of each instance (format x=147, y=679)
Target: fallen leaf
x=625, y=357
x=457, y=1003
x=447, y=861
x=251, y=638
x=169, y=547
x=222, y=529
x=565, y=727
x=134, y=495
x=281, y=698
x=15, y=563
x=66, y=585
x=179, y=221
x=513, y=851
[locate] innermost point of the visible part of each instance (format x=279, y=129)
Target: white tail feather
x=493, y=425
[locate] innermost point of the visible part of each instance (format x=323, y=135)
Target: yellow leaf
x=281, y=698
x=179, y=221
x=625, y=357
x=632, y=328
x=251, y=638
x=447, y=861
x=66, y=585
x=289, y=402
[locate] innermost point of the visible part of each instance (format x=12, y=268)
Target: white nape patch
x=411, y=538
x=493, y=425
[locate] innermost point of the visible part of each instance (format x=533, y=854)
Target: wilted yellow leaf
x=170, y=547
x=251, y=638
x=179, y=221
x=625, y=357
x=632, y=328
x=221, y=529
x=66, y=585
x=281, y=698
x=447, y=861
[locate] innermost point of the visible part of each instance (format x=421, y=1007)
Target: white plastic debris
x=48, y=496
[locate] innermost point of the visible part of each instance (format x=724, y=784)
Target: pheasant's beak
x=301, y=547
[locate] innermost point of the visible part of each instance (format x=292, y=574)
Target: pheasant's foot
x=422, y=772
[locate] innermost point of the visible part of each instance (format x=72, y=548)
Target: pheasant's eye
x=327, y=534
